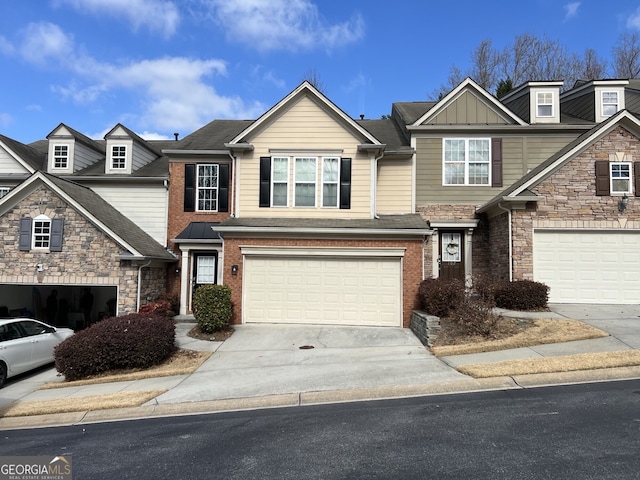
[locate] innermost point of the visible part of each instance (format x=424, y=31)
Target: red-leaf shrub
x=115, y=343
x=522, y=295
x=440, y=296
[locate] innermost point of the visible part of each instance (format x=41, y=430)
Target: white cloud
x=282, y=24
x=571, y=10
x=156, y=15
x=6, y=48
x=634, y=20
x=261, y=74
x=171, y=93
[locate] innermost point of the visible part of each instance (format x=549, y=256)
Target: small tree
x=212, y=307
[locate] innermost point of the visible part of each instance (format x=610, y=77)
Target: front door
x=451, y=255
x=205, y=269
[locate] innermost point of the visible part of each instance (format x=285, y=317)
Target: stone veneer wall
x=88, y=256
x=498, y=247
x=569, y=200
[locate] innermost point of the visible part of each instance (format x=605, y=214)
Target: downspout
x=140, y=283
x=233, y=184
x=510, y=241
x=375, y=184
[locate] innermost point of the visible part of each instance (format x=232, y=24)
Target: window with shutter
x=189, y=187
x=57, y=229
x=25, y=234
x=602, y=178
x=496, y=162
x=345, y=183
x=636, y=178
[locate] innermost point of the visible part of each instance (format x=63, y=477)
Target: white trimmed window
x=60, y=156
x=207, y=188
x=41, y=232
x=609, y=103
x=280, y=181
x=305, y=182
x=544, y=104
x=466, y=161
x=4, y=191
x=330, y=179
x=118, y=157
x=620, y=177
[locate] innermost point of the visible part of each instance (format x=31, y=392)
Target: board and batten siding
x=468, y=109
x=305, y=128
x=144, y=205
x=394, y=192
x=519, y=155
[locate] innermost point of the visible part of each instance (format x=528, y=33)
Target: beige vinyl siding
x=145, y=205
x=394, y=193
x=8, y=164
x=519, y=155
x=468, y=109
x=305, y=129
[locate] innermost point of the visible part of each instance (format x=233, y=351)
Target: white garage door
x=588, y=266
x=338, y=291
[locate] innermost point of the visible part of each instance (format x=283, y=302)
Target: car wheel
x=3, y=374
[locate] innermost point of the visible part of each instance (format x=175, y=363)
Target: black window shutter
x=57, y=227
x=265, y=181
x=345, y=183
x=636, y=178
x=25, y=234
x=496, y=162
x=602, y=178
x=189, y=187
x=223, y=187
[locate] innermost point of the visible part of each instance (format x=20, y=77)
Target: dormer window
x=609, y=103
x=61, y=156
x=118, y=157
x=544, y=104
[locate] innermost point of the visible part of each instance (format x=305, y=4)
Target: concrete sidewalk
x=284, y=365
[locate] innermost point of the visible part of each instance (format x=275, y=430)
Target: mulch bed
x=452, y=334
x=217, y=336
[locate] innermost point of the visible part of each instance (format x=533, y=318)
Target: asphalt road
x=575, y=432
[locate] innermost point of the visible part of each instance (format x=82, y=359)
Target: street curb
x=320, y=397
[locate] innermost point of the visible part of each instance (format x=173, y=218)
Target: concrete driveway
x=276, y=359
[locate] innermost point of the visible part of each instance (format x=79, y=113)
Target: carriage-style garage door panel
x=337, y=291
x=588, y=266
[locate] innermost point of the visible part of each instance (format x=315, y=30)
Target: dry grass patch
x=80, y=404
x=564, y=363
x=181, y=363
x=513, y=333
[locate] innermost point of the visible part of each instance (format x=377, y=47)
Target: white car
x=26, y=344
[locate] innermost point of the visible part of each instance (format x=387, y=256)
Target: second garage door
x=595, y=266
x=335, y=291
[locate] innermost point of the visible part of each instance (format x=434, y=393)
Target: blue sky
x=164, y=66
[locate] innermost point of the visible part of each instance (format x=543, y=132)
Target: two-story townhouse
x=320, y=224
x=82, y=215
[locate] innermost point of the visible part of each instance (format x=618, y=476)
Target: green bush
x=115, y=343
x=439, y=296
x=522, y=295
x=475, y=317
x=212, y=307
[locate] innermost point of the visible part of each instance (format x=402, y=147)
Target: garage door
x=588, y=266
x=337, y=291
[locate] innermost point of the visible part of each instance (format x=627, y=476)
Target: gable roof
x=135, y=137
x=469, y=85
x=30, y=158
x=213, y=136
x=80, y=138
x=96, y=210
x=522, y=188
x=304, y=89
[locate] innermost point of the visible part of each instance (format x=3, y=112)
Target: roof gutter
x=325, y=231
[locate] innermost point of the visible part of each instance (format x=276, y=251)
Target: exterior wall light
x=234, y=269
x=622, y=204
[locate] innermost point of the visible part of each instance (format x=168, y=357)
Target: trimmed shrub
x=439, y=296
x=134, y=341
x=485, y=288
x=522, y=295
x=212, y=307
x=475, y=318
x=161, y=306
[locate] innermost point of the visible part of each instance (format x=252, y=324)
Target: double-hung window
x=207, y=188
x=609, y=103
x=466, y=161
x=280, y=181
x=544, y=104
x=41, y=231
x=4, y=191
x=118, y=157
x=305, y=182
x=330, y=179
x=620, y=177
x=60, y=156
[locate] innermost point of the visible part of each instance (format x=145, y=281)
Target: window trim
x=273, y=181
x=43, y=238
x=467, y=162
x=199, y=188
x=55, y=157
x=540, y=104
x=332, y=182
x=4, y=191
x=122, y=156
x=603, y=103
x=305, y=182
x=629, y=178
